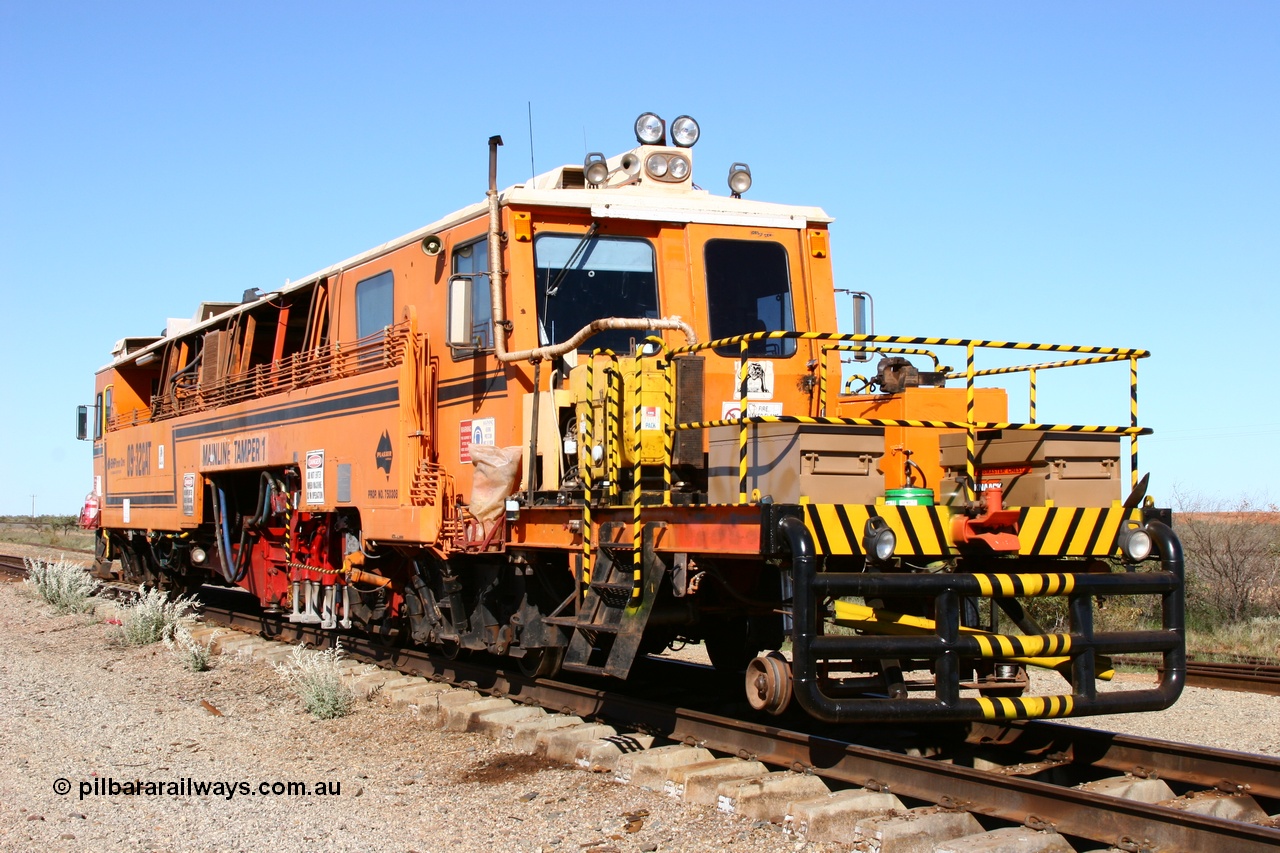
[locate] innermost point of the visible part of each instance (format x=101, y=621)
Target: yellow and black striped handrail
x=1096, y=355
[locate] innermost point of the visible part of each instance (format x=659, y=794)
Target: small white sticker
x=759, y=379
x=477, y=431
x=651, y=417
x=188, y=494
x=97, y=484
x=125, y=509
x=729, y=410
x=160, y=456
x=315, y=477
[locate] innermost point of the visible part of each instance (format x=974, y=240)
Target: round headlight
x=656, y=165
x=885, y=542
x=679, y=168
x=649, y=129
x=739, y=178
x=878, y=540
x=595, y=169
x=684, y=131
x=1135, y=543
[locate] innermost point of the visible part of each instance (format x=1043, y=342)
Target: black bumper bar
x=947, y=646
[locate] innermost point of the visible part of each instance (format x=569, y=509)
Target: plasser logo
x=382, y=456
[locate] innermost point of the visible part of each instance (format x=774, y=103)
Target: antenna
x=532, y=169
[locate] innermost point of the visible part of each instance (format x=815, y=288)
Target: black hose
x=266, y=489
x=224, y=535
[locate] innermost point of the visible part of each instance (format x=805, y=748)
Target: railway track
x=1020, y=774
x=1244, y=675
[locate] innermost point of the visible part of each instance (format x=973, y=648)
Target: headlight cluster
x=662, y=166
x=652, y=130
x=670, y=166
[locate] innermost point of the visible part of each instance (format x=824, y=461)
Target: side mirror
x=458, y=333
x=863, y=315
x=82, y=422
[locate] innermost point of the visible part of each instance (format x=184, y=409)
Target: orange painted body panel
x=721, y=530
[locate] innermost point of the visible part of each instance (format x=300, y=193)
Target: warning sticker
x=651, y=417
x=477, y=431
x=188, y=494
x=729, y=410
x=315, y=477
x=759, y=379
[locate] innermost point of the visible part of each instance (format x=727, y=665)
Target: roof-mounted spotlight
x=651, y=130
x=595, y=169
x=684, y=131
x=739, y=179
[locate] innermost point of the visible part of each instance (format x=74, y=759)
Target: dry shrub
x=314, y=674
x=151, y=617
x=65, y=585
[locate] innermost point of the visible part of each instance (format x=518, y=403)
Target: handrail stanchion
x=1133, y=421
x=742, y=421
x=971, y=433
x=1032, y=374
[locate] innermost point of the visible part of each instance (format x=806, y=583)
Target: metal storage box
x=1069, y=469
x=789, y=461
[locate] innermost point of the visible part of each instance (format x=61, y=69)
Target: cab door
x=752, y=280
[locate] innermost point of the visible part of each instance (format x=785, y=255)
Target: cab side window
x=375, y=299
x=749, y=290
x=472, y=259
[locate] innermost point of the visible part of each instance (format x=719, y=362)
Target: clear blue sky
x=1095, y=173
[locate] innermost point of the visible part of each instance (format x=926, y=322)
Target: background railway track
x=1021, y=774
x=1246, y=675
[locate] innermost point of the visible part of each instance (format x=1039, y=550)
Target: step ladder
x=609, y=623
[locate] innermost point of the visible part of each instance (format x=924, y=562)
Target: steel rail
x=1122, y=823
x=1199, y=766
x=1253, y=675
x=1243, y=677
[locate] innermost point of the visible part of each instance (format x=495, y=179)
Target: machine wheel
x=769, y=683
x=541, y=663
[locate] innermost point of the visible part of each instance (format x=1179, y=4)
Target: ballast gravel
x=80, y=711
